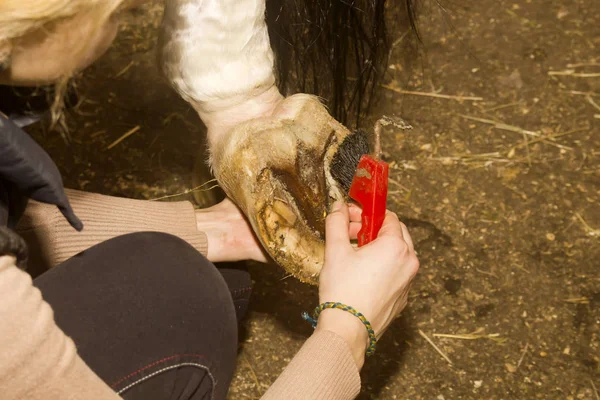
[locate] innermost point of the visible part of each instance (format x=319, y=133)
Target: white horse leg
x=270, y=155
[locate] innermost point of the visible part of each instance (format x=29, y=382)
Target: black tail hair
x=336, y=49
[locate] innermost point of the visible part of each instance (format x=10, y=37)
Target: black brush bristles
x=345, y=160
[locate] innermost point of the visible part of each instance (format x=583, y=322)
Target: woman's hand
x=229, y=235
x=374, y=279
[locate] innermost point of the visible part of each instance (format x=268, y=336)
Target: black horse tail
x=335, y=49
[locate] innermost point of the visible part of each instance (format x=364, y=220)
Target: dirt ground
x=499, y=182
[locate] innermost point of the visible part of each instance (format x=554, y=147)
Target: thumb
x=336, y=226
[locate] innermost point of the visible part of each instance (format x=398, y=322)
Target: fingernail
x=337, y=206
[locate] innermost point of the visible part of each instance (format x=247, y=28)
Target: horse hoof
x=276, y=169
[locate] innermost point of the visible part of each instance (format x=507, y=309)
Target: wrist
x=350, y=328
x=229, y=236
x=211, y=222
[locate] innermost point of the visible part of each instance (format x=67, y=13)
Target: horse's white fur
x=216, y=53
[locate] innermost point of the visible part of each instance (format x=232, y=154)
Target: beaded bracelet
x=341, y=306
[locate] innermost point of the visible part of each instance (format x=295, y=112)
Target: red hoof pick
x=369, y=188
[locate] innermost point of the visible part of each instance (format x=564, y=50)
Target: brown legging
x=151, y=316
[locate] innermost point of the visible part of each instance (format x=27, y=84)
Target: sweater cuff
x=323, y=369
x=104, y=217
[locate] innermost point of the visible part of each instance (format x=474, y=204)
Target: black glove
x=12, y=204
x=12, y=244
x=28, y=169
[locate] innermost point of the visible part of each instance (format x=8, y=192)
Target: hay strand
x=595, y=390
x=588, y=229
x=592, y=102
x=431, y=94
x=124, y=69
x=188, y=191
x=571, y=72
x=522, y=355
x=473, y=336
x=578, y=300
x=500, y=125
x=435, y=347
x=123, y=137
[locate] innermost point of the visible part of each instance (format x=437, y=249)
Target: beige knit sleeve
x=323, y=369
x=37, y=360
x=52, y=240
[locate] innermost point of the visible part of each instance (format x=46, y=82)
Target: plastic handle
x=369, y=188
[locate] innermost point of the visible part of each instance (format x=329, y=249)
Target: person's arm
x=50, y=237
x=375, y=280
x=52, y=240
x=323, y=369
x=37, y=360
